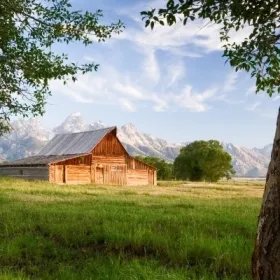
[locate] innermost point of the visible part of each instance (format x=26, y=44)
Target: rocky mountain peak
x=129, y=127
x=97, y=125
x=73, y=123
x=29, y=136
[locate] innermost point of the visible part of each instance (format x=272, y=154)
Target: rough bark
x=266, y=256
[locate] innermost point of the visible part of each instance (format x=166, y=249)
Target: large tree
x=259, y=54
x=29, y=31
x=203, y=160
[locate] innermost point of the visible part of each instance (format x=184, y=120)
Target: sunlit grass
x=172, y=231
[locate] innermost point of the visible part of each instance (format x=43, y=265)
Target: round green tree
x=203, y=160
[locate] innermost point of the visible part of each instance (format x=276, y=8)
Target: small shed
x=91, y=157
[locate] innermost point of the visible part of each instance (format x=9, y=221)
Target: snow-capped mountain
x=145, y=144
x=265, y=151
x=29, y=136
x=26, y=139
x=76, y=123
x=248, y=162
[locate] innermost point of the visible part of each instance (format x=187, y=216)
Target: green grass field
x=172, y=231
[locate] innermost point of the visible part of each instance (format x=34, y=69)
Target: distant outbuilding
x=91, y=157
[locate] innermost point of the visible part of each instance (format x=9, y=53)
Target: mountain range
x=29, y=136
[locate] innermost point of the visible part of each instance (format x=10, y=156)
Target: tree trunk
x=266, y=256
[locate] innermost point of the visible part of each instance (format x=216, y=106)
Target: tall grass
x=104, y=232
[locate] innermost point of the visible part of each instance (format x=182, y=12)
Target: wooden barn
x=91, y=157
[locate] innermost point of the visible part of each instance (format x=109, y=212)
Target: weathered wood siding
x=77, y=161
x=99, y=175
x=115, y=174
x=30, y=172
x=59, y=174
x=110, y=145
x=133, y=163
x=155, y=178
x=151, y=177
x=137, y=177
x=140, y=173
x=108, y=160
x=51, y=174
x=110, y=174
x=77, y=174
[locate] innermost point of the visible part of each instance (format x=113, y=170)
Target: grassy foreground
x=172, y=231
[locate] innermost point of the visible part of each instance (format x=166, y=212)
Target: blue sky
x=171, y=82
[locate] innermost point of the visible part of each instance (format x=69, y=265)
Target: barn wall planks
x=108, y=160
x=59, y=174
x=109, y=145
x=36, y=173
x=83, y=174
x=151, y=177
x=99, y=175
x=133, y=163
x=116, y=174
x=51, y=173
x=155, y=178
x=92, y=173
x=137, y=177
x=75, y=174
x=110, y=174
x=86, y=159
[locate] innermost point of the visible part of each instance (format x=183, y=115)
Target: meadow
x=172, y=231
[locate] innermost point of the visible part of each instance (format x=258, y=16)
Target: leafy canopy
x=164, y=169
x=29, y=29
x=258, y=54
x=203, y=160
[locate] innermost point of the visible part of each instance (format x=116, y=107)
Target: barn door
x=151, y=177
x=59, y=174
x=99, y=179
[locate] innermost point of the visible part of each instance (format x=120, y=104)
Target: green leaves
x=259, y=54
x=28, y=30
x=203, y=160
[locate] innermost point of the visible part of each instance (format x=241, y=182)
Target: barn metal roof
x=38, y=160
x=75, y=143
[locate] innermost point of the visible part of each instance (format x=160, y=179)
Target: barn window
x=82, y=160
x=116, y=168
x=21, y=172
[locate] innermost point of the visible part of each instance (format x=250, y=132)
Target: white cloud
x=127, y=105
x=128, y=93
x=251, y=90
x=150, y=66
x=194, y=40
x=129, y=89
x=230, y=82
x=253, y=106
x=190, y=100
x=175, y=73
x=160, y=105
x=276, y=97
x=226, y=99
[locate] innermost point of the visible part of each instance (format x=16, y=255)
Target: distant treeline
x=198, y=161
